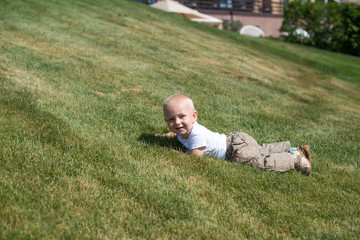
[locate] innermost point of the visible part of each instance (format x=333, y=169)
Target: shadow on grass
x=168, y=142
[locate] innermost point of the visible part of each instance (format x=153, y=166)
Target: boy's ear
x=195, y=114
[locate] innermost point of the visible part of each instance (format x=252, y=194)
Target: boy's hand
x=169, y=134
x=199, y=152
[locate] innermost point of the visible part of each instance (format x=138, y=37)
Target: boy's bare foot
x=305, y=149
x=302, y=164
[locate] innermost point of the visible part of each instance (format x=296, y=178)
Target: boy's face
x=180, y=117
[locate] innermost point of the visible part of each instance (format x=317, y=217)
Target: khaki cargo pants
x=242, y=148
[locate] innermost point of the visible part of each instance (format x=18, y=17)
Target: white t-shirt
x=200, y=136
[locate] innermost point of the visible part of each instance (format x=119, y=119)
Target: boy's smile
x=180, y=117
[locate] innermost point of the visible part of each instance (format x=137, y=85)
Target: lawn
x=81, y=91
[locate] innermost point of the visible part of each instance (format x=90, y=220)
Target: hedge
x=332, y=26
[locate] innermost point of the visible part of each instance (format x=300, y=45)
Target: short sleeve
x=197, y=141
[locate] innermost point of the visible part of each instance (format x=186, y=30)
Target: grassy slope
x=77, y=159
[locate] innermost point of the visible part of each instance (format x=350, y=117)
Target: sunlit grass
x=81, y=88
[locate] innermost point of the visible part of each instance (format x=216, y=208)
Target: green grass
x=78, y=159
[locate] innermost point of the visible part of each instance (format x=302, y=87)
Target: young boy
x=180, y=116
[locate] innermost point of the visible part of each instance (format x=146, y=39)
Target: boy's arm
x=199, y=152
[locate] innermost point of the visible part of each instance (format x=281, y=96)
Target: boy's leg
x=278, y=147
x=244, y=149
x=279, y=162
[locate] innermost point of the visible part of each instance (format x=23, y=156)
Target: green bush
x=233, y=26
x=333, y=26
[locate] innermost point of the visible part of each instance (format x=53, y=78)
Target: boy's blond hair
x=178, y=96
